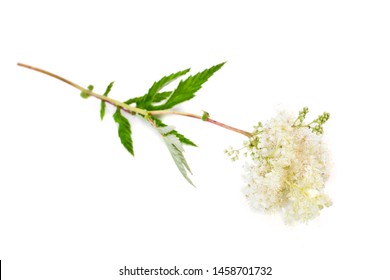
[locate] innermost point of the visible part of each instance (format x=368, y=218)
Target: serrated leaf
x=86, y=95
x=166, y=80
x=124, y=130
x=187, y=88
x=133, y=100
x=153, y=95
x=165, y=129
x=175, y=142
x=181, y=137
x=161, y=96
x=102, y=103
x=178, y=156
x=148, y=98
x=158, y=122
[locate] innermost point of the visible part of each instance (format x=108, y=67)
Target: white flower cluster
x=288, y=169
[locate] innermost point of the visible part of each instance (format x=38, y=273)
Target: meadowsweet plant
x=287, y=167
x=287, y=160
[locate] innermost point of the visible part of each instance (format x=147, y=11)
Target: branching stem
x=132, y=109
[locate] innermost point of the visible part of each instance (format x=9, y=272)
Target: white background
x=75, y=205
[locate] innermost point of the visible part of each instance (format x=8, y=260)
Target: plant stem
x=132, y=109
x=114, y=102
x=167, y=112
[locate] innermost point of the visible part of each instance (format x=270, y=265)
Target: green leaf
x=102, y=109
x=164, y=81
x=153, y=95
x=165, y=130
x=148, y=98
x=86, y=95
x=176, y=150
x=102, y=103
x=187, y=88
x=124, y=130
x=133, y=100
x=161, y=96
x=108, y=89
x=181, y=137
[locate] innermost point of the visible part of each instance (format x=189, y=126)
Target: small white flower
x=288, y=169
